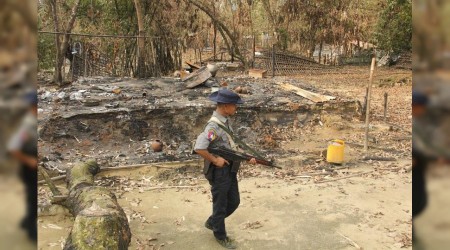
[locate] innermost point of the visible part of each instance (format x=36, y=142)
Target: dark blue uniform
x=224, y=185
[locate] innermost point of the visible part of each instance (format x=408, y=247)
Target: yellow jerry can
x=335, y=152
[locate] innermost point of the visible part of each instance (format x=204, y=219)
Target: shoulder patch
x=212, y=134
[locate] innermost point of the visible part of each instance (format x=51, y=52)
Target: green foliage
x=283, y=37
x=46, y=51
x=394, y=27
x=175, y=25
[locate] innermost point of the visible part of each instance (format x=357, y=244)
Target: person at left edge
x=23, y=147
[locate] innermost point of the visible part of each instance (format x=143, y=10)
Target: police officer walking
x=221, y=173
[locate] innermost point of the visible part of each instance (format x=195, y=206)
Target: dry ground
x=373, y=211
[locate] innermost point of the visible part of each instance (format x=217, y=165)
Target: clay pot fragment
x=156, y=145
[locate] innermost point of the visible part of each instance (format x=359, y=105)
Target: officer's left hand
x=252, y=161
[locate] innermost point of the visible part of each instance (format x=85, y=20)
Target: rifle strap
x=236, y=139
x=222, y=126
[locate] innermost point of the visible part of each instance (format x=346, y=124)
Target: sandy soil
x=372, y=211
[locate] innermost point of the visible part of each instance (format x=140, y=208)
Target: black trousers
x=419, y=193
x=225, y=194
x=29, y=222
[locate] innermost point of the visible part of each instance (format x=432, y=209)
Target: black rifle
x=232, y=155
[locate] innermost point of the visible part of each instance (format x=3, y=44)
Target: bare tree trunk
x=62, y=48
x=253, y=33
x=66, y=36
x=215, y=41
x=141, y=41
x=233, y=23
x=215, y=34
x=312, y=44
x=320, y=50
x=57, y=76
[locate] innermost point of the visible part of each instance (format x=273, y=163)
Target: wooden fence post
x=372, y=68
x=385, y=105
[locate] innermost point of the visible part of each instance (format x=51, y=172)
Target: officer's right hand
x=220, y=162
